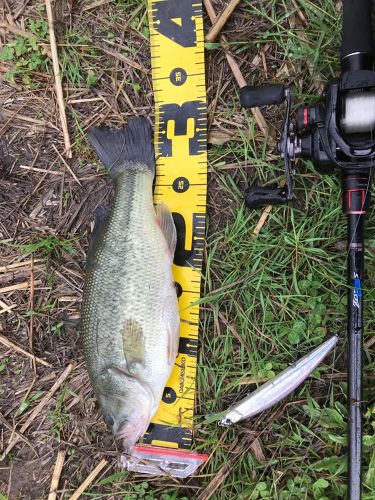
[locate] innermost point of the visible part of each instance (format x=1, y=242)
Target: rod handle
x=263, y=95
x=356, y=28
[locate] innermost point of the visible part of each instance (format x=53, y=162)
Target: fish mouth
x=130, y=432
x=126, y=431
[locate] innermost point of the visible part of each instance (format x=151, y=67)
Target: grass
x=48, y=246
x=283, y=292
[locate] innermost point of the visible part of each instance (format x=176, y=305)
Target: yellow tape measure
x=177, y=60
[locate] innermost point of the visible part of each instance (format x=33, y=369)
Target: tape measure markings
x=176, y=31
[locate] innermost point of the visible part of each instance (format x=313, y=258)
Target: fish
x=129, y=316
x=278, y=387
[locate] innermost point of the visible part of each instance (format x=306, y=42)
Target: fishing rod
x=337, y=135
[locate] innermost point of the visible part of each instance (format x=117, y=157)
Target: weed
x=50, y=246
x=26, y=54
x=78, y=57
x=57, y=328
x=144, y=28
x=4, y=364
x=58, y=416
x=27, y=402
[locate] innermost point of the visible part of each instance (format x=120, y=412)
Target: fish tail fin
x=130, y=145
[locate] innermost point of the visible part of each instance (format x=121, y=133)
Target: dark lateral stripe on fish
x=130, y=144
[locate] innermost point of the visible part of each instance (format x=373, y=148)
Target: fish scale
x=115, y=288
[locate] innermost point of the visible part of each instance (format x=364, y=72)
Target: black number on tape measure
x=181, y=184
x=178, y=289
x=169, y=395
x=189, y=253
x=178, y=76
x=185, y=121
x=160, y=432
x=187, y=346
x=175, y=20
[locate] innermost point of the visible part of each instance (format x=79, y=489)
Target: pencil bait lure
x=279, y=387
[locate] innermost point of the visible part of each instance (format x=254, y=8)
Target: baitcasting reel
x=337, y=133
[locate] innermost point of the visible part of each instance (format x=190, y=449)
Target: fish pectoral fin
x=120, y=371
x=133, y=342
x=172, y=345
x=165, y=221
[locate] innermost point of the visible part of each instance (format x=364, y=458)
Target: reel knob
x=259, y=197
x=264, y=95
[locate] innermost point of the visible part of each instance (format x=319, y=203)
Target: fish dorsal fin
x=102, y=214
x=165, y=221
x=134, y=344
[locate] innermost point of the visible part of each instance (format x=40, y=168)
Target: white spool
x=359, y=113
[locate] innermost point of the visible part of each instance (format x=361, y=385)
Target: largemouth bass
x=129, y=318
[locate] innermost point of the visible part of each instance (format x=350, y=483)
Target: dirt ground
x=47, y=205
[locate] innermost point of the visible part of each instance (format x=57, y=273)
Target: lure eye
x=108, y=419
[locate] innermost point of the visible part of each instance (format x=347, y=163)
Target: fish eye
x=109, y=420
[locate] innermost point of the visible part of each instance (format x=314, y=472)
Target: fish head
x=127, y=405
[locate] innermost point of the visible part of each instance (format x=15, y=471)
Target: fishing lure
x=279, y=387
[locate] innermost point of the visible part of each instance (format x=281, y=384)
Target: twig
x=236, y=71
x=5, y=307
x=300, y=13
x=89, y=479
x=95, y=4
x=4, y=421
x=29, y=119
x=58, y=82
x=66, y=165
x=20, y=286
x=15, y=265
x=124, y=59
x=36, y=169
x=80, y=101
x=56, y=474
x=221, y=20
x=39, y=408
x=262, y=220
x=20, y=10
x=259, y=118
x=31, y=308
x=19, y=349
x=234, y=332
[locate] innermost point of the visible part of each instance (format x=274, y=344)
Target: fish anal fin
x=133, y=344
x=166, y=223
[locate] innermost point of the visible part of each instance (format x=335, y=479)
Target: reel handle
x=260, y=197
x=263, y=95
